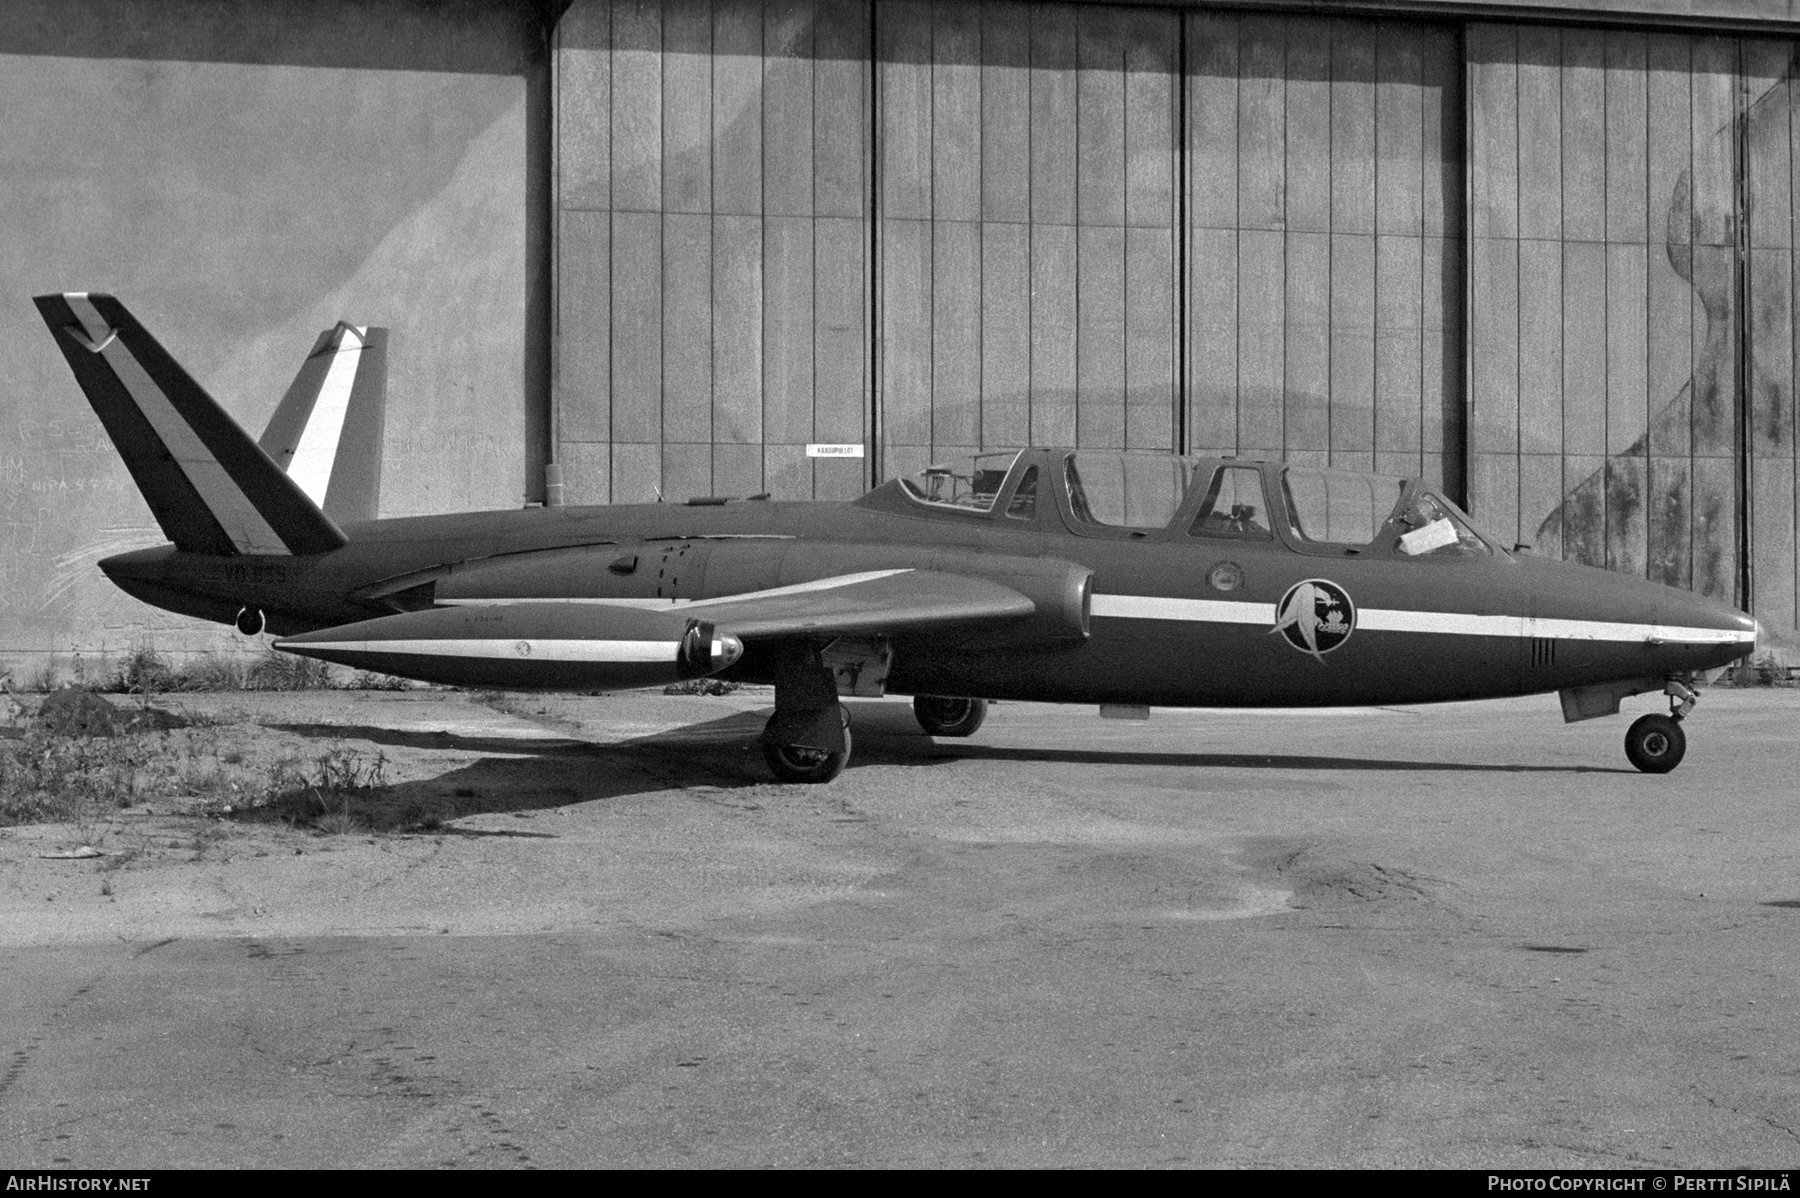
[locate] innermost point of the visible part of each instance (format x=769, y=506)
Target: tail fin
x=327, y=432
x=209, y=486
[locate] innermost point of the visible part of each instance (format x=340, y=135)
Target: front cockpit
x=1318, y=511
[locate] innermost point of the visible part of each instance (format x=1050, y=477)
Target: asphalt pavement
x=1466, y=935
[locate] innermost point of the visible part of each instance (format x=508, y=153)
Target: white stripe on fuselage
x=652, y=604
x=1225, y=611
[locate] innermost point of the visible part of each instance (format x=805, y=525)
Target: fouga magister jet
x=1049, y=575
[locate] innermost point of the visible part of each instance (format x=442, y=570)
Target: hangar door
x=1026, y=207
x=1632, y=357
x=1325, y=283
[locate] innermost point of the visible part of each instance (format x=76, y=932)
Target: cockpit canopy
x=1311, y=509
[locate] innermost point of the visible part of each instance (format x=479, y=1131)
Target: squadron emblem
x=1315, y=616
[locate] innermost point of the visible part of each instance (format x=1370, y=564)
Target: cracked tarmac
x=1465, y=935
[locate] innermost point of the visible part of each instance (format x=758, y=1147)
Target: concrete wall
x=242, y=176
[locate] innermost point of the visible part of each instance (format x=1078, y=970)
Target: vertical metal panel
x=1494, y=61
x=1100, y=337
x=1150, y=90
x=737, y=329
x=786, y=177
x=1353, y=127
x=637, y=472
x=584, y=110
x=637, y=333
x=1627, y=136
x=956, y=127
x=840, y=332
x=906, y=331
x=1584, y=347
x=1262, y=121
x=1053, y=114
x=737, y=109
x=1494, y=322
x=1539, y=110
x=1261, y=349
x=636, y=137
x=1583, y=135
x=687, y=327
x=1100, y=118
x=1627, y=347
x=1053, y=281
x=1353, y=351
x=841, y=115
x=687, y=106
x=584, y=326
x=1306, y=335
x=904, y=139
x=686, y=471
x=1211, y=89
x=1669, y=537
x=1399, y=345
x=1006, y=334
x=1005, y=112
x=1494, y=485
x=1540, y=347
x=1307, y=170
x=956, y=384
x=1399, y=133
x=787, y=316
x=738, y=470
x=1150, y=335
x=1213, y=350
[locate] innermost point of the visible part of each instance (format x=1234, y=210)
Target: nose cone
x=1617, y=626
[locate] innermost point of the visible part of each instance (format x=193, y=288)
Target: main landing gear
x=808, y=737
x=1655, y=743
x=949, y=717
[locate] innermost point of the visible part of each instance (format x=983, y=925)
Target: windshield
x=1124, y=490
x=1433, y=526
x=1338, y=507
x=968, y=484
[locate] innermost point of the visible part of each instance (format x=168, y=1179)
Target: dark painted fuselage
x=1427, y=628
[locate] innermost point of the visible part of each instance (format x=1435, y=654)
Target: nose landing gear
x=1656, y=744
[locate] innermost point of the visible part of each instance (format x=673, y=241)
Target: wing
x=879, y=602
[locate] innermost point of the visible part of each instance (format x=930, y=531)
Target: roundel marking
x=523, y=648
x=1315, y=616
x=1226, y=576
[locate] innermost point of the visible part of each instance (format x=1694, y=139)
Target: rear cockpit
x=1312, y=510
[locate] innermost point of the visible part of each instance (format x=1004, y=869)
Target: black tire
x=1655, y=744
x=949, y=717
x=792, y=763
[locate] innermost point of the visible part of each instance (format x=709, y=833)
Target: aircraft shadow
x=975, y=751
x=538, y=773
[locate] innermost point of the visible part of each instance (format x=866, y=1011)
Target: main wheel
x=796, y=763
x=949, y=717
x=1655, y=744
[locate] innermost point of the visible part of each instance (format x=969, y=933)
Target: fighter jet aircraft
x=1123, y=580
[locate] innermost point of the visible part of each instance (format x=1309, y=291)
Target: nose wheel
x=1655, y=743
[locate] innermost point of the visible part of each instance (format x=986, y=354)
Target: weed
x=144, y=671
x=701, y=686
x=285, y=672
